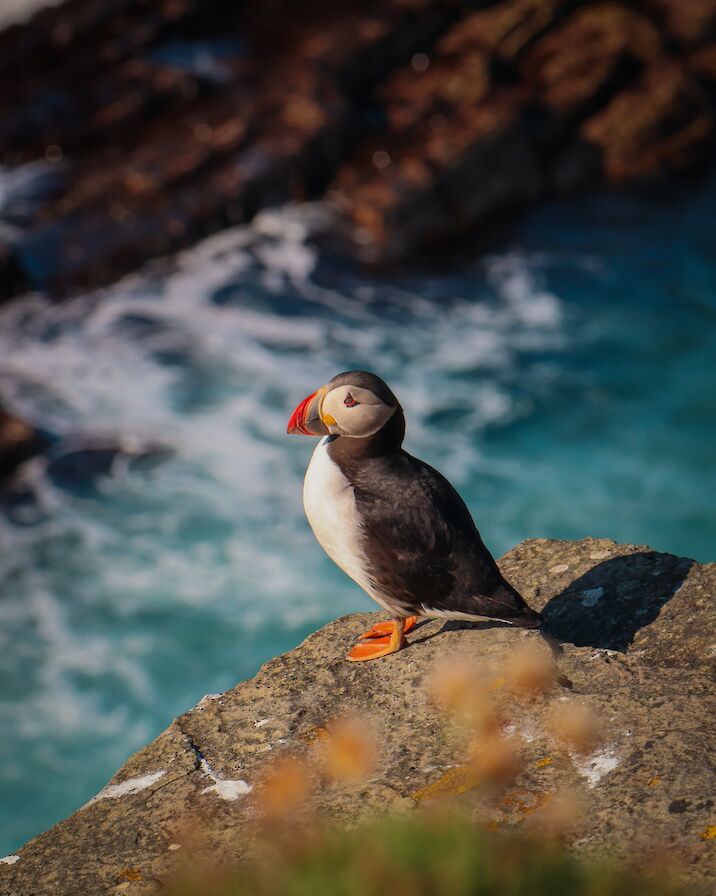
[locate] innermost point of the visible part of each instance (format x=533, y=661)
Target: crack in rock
x=226, y=788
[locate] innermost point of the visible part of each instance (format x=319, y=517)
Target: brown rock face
x=660, y=124
x=639, y=654
x=586, y=57
x=691, y=23
x=421, y=120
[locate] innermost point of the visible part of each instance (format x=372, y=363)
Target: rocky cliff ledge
x=419, y=120
x=639, y=649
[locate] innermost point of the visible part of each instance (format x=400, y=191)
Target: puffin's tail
x=525, y=617
x=529, y=619
x=514, y=607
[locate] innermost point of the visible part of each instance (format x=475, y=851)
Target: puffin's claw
x=381, y=629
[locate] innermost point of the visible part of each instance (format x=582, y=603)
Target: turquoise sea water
x=565, y=383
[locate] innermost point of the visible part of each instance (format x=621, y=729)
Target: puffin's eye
x=349, y=401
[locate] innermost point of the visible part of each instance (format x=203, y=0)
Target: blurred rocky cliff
x=138, y=126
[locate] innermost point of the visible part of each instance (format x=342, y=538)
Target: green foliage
x=420, y=856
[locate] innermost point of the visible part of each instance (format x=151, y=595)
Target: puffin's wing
x=423, y=550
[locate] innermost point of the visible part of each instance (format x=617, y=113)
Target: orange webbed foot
x=371, y=650
x=381, y=629
x=378, y=644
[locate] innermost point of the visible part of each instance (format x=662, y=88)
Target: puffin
x=391, y=522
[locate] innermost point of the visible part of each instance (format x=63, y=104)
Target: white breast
x=330, y=506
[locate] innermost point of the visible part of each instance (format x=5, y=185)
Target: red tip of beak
x=297, y=423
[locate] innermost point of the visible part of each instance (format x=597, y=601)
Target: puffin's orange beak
x=306, y=419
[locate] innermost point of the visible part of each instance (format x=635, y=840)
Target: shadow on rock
x=608, y=605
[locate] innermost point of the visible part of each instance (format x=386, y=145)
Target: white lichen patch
x=223, y=787
x=591, y=596
x=229, y=790
x=560, y=567
x=595, y=767
x=524, y=732
x=207, y=698
x=601, y=652
x=9, y=860
x=128, y=787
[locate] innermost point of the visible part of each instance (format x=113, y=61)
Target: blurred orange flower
x=576, y=726
x=349, y=750
x=530, y=670
x=284, y=788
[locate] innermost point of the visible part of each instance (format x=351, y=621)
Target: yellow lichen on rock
x=452, y=783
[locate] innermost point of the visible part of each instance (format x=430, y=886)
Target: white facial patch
x=358, y=412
